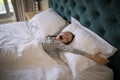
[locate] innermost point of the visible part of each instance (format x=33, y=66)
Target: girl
x=55, y=44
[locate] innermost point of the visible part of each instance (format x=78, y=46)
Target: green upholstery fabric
x=101, y=16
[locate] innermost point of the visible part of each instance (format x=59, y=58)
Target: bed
x=96, y=28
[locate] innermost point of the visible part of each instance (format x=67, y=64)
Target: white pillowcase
x=48, y=22
x=89, y=41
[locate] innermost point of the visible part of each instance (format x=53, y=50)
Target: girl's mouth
x=61, y=37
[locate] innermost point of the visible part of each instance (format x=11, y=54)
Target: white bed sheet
x=16, y=36
x=19, y=40
x=21, y=37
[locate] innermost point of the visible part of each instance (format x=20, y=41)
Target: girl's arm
x=95, y=57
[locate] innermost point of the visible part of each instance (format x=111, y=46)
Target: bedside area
x=29, y=14
x=43, y=6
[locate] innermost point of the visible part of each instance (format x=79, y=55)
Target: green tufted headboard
x=101, y=16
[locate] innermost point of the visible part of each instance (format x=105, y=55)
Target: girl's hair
x=71, y=39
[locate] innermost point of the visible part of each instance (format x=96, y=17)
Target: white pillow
x=89, y=41
x=48, y=22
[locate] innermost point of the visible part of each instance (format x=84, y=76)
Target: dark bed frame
x=100, y=16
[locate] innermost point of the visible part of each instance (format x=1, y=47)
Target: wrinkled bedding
x=15, y=36
x=23, y=58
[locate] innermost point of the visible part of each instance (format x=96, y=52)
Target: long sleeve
x=50, y=44
x=67, y=48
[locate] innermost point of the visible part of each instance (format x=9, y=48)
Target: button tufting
x=51, y=3
x=65, y=1
x=102, y=30
x=77, y=17
x=61, y=9
x=87, y=23
x=68, y=13
x=108, y=1
x=114, y=20
x=95, y=14
x=72, y=3
x=83, y=8
x=111, y=20
x=55, y=6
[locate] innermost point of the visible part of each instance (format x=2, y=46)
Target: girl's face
x=65, y=37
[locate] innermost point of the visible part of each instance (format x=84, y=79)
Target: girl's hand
x=97, y=58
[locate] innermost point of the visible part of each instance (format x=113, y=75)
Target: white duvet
x=16, y=36
x=23, y=58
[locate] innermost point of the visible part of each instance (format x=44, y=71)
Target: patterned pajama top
x=53, y=47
